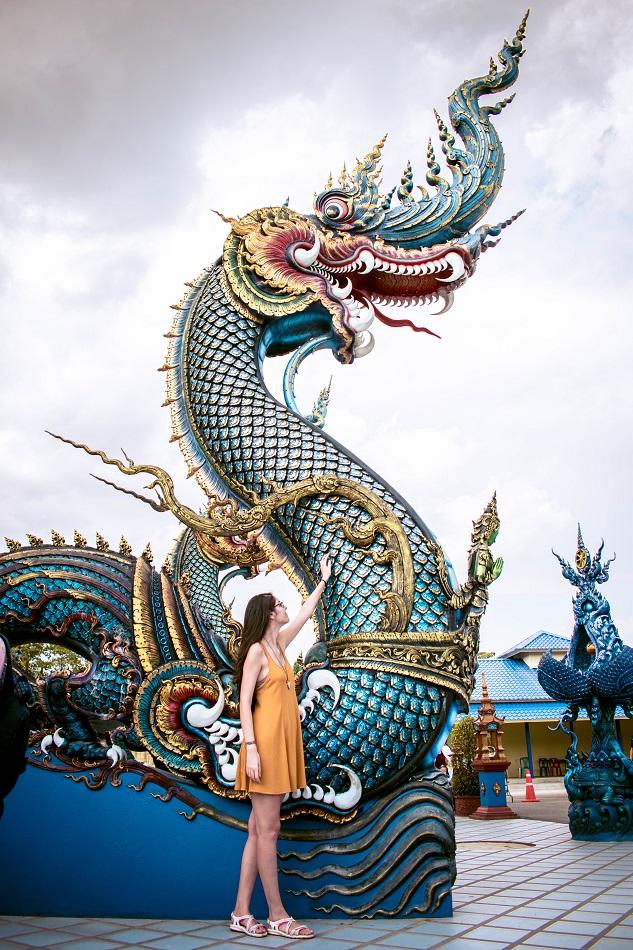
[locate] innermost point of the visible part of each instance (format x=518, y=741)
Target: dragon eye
x=336, y=207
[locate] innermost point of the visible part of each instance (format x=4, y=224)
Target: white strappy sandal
x=292, y=933
x=249, y=928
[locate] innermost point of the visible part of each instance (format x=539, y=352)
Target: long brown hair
x=256, y=616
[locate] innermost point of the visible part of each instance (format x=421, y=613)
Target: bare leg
x=248, y=873
x=266, y=810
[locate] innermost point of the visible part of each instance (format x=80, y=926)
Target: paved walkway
x=552, y=804
x=521, y=883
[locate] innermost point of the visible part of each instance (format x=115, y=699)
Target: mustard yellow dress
x=277, y=729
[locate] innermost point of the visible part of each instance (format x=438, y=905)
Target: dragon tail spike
x=157, y=506
x=373, y=155
x=458, y=160
x=387, y=199
x=406, y=184
x=498, y=106
x=519, y=36
x=368, y=170
x=226, y=218
x=494, y=230
x=433, y=176
x=440, y=123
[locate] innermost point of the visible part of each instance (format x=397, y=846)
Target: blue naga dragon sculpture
x=397, y=638
x=596, y=675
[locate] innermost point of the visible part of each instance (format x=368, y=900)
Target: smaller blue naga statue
x=596, y=675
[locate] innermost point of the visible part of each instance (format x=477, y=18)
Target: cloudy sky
x=125, y=123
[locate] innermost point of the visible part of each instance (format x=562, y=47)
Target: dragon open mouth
x=400, y=288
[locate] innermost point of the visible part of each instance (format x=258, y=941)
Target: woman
x=270, y=763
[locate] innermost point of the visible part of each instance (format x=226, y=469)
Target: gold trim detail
x=176, y=632
x=444, y=659
x=235, y=301
x=144, y=640
x=225, y=519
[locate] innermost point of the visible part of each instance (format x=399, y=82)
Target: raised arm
x=290, y=631
x=252, y=667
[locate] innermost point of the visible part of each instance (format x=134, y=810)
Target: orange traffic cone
x=530, y=794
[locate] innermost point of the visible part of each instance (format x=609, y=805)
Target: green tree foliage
x=463, y=745
x=39, y=660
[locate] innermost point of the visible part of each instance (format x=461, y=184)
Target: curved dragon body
x=397, y=638
x=267, y=444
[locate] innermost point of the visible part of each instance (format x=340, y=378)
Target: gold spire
x=102, y=544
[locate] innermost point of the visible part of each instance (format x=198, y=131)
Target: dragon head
x=362, y=257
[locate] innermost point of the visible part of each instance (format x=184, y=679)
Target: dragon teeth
x=456, y=263
x=366, y=262
x=361, y=316
x=366, y=259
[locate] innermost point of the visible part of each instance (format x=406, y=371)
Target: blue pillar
x=528, y=747
x=492, y=789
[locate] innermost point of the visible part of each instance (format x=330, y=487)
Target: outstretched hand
x=326, y=567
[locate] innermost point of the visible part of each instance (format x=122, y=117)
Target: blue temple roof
x=508, y=680
x=530, y=712
x=518, y=696
x=542, y=640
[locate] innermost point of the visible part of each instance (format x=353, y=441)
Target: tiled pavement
x=521, y=884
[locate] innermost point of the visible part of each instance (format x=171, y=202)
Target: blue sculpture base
x=591, y=820
x=118, y=852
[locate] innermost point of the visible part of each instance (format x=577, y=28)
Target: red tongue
x=404, y=323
